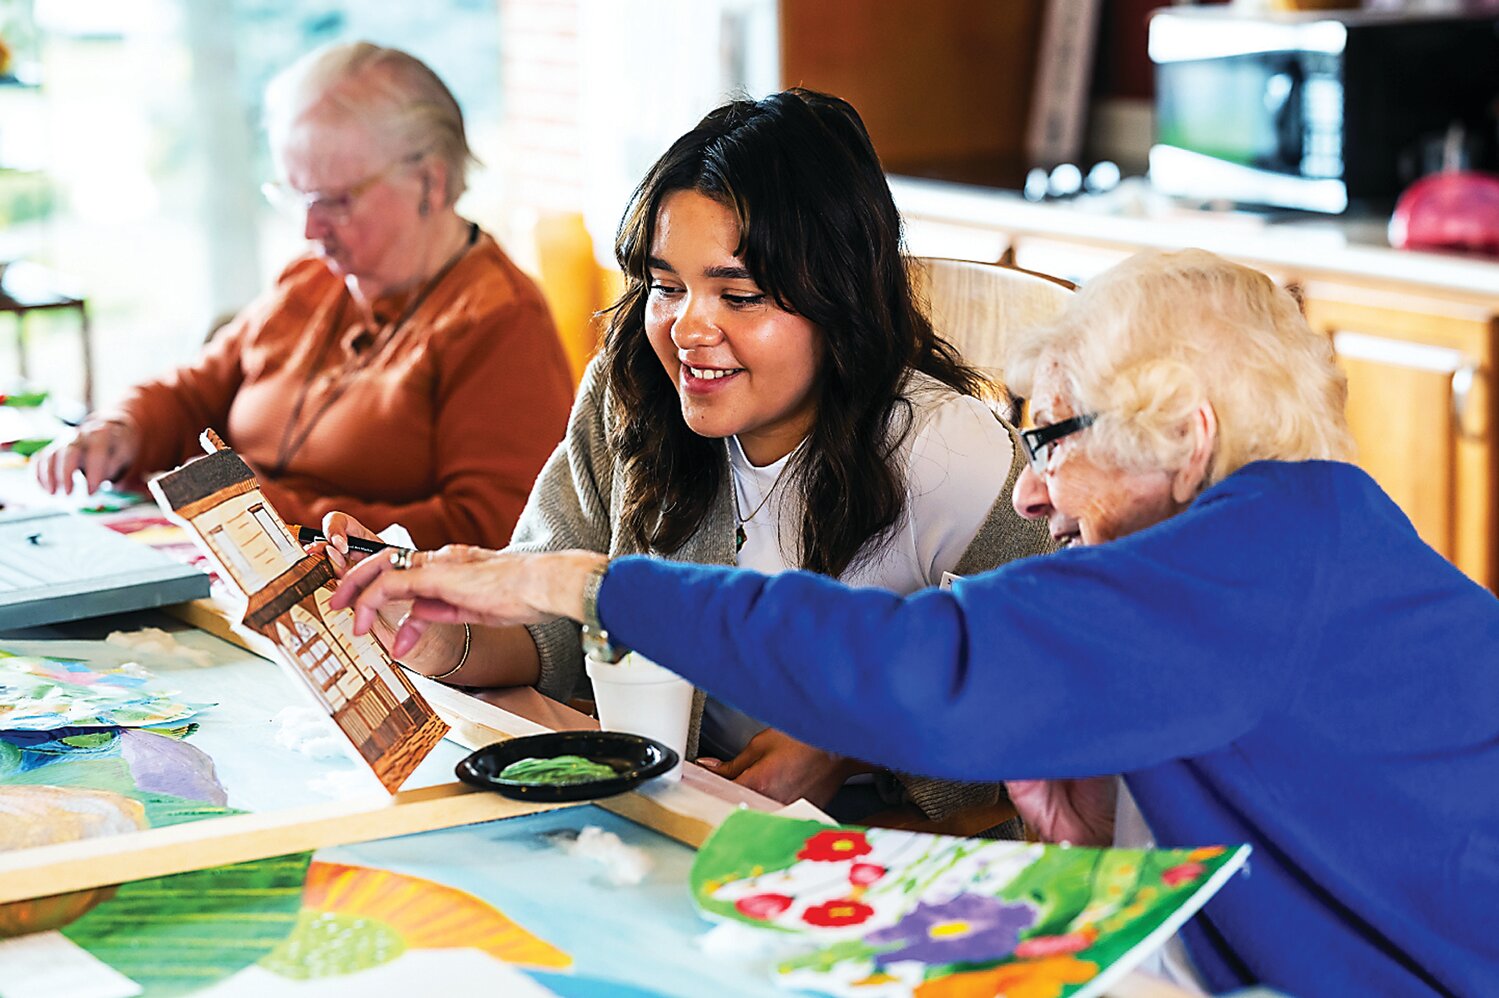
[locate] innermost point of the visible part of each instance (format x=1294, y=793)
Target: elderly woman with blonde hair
x=404, y=370
x=1244, y=626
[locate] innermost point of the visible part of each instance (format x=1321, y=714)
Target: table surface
x=620, y=938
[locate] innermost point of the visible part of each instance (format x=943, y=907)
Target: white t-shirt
x=957, y=459
x=1171, y=960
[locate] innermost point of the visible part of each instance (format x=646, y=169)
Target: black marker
x=308, y=535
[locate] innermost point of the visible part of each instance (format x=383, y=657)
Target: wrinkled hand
x=338, y=528
x=103, y=451
x=1077, y=811
x=460, y=584
x=784, y=769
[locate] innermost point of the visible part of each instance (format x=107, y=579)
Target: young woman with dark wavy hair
x=770, y=395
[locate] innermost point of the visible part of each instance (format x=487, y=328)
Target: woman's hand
x=461, y=584
x=784, y=769
x=103, y=451
x=1077, y=811
x=338, y=528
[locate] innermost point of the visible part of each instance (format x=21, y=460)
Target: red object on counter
x=1455, y=210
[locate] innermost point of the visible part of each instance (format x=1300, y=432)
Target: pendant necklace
x=739, y=521
x=294, y=436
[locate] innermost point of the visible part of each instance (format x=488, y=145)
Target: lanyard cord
x=291, y=441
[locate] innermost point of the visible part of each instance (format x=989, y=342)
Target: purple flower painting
x=970, y=928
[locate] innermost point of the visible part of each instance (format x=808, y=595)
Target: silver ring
x=400, y=559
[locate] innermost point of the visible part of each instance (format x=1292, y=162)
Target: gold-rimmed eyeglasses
x=335, y=208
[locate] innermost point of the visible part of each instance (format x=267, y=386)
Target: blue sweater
x=1284, y=664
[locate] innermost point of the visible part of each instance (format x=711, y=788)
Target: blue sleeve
x=1165, y=644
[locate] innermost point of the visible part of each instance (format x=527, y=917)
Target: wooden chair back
x=975, y=306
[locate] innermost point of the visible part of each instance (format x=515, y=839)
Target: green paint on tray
x=214, y=923
x=327, y=944
x=557, y=771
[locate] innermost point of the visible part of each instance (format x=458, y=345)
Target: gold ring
x=400, y=559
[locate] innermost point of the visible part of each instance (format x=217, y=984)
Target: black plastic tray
x=634, y=759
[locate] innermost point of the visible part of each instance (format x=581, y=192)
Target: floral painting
x=881, y=912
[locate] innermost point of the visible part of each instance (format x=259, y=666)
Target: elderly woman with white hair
x=1244, y=626
x=405, y=370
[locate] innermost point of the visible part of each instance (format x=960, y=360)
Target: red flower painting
x=762, y=906
x=834, y=846
x=1183, y=874
x=1041, y=946
x=837, y=913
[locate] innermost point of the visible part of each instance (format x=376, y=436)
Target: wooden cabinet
x=944, y=86
x=1421, y=408
x=1418, y=336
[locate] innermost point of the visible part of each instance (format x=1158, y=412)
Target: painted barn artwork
x=287, y=591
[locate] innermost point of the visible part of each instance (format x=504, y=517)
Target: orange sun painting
x=422, y=914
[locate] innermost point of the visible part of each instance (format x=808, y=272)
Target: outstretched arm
x=1168, y=643
x=1104, y=660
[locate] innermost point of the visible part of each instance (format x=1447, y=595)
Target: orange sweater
x=442, y=428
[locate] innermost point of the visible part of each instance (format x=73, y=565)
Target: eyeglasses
x=335, y=208
x=1039, y=442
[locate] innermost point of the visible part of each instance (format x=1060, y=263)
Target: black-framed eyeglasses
x=1039, y=442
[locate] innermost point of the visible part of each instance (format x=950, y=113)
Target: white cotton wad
x=155, y=641
x=624, y=865
x=309, y=731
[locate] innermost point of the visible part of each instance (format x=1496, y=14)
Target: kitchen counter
x=1133, y=216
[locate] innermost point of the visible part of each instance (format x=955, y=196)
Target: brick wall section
x=539, y=47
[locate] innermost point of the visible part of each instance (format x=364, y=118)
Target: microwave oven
x=1317, y=111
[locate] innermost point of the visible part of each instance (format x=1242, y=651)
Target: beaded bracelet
x=468, y=639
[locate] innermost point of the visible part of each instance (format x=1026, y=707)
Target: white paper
x=397, y=535
x=49, y=964
x=464, y=973
x=805, y=810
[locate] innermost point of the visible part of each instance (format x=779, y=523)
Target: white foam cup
x=637, y=696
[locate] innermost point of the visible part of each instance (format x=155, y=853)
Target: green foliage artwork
x=174, y=935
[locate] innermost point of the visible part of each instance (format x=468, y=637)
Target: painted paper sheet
x=174, y=935
x=287, y=595
x=82, y=783
x=41, y=694
x=286, y=920
x=482, y=910
x=881, y=912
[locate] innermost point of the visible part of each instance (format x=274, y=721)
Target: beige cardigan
x=575, y=504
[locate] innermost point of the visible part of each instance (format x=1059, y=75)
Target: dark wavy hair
x=819, y=232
